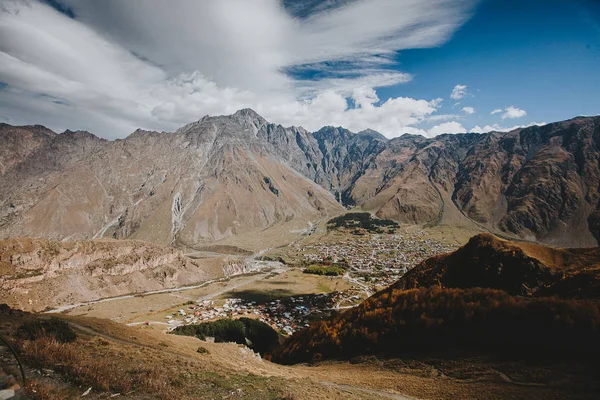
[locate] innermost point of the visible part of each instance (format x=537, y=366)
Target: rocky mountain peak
x=248, y=113
x=81, y=134
x=142, y=132
x=249, y=119
x=372, y=134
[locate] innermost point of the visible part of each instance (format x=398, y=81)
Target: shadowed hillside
x=449, y=322
x=491, y=296
x=518, y=268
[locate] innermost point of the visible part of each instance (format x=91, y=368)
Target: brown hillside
x=451, y=323
x=518, y=268
x=119, y=361
x=491, y=296
x=212, y=180
x=37, y=273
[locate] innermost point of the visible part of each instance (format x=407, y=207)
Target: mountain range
x=241, y=177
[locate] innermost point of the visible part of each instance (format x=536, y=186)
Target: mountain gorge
x=234, y=176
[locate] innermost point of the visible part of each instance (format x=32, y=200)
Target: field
x=255, y=287
x=290, y=283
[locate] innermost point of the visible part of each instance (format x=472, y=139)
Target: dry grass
x=106, y=373
x=562, y=259
x=140, y=365
x=118, y=353
x=39, y=390
x=556, y=259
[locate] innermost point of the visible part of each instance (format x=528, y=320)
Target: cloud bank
x=113, y=66
x=499, y=128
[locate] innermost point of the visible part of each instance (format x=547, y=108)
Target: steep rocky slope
x=36, y=273
x=233, y=176
x=18, y=143
x=539, y=182
x=212, y=179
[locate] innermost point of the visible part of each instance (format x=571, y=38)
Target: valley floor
x=124, y=348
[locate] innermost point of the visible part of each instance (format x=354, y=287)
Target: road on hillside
x=256, y=265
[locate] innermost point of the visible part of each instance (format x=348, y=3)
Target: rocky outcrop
x=36, y=274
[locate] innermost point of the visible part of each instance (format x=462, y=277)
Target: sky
x=397, y=66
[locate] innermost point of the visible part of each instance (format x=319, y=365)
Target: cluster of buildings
x=284, y=315
x=375, y=260
x=372, y=262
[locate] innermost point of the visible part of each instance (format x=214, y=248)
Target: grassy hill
x=491, y=297
x=518, y=268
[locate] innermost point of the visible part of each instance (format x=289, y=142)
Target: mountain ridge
x=536, y=183
x=519, y=268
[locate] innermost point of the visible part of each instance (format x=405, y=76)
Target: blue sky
x=389, y=65
x=541, y=56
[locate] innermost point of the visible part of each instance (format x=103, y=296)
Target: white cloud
x=441, y=117
x=513, y=112
x=456, y=127
x=393, y=118
x=120, y=65
x=347, y=85
x=459, y=92
x=498, y=128
x=446, y=127
x=496, y=111
x=468, y=110
x=486, y=128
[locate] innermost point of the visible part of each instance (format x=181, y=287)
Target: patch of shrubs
x=54, y=327
x=272, y=188
x=435, y=321
x=255, y=334
x=327, y=270
x=363, y=220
